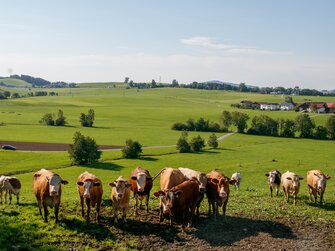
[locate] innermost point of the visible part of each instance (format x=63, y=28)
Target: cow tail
x=158, y=174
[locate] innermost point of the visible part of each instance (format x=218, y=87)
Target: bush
x=264, y=125
x=213, y=141
x=240, y=121
x=87, y=120
x=305, y=125
x=84, y=150
x=182, y=144
x=330, y=126
x=61, y=119
x=131, y=150
x=47, y=119
x=320, y=132
x=197, y=143
x=179, y=126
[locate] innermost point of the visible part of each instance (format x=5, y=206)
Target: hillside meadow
x=254, y=219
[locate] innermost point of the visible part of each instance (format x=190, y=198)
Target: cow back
x=189, y=196
x=170, y=177
x=15, y=182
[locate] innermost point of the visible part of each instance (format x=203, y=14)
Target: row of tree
x=49, y=119
x=303, y=124
x=8, y=94
x=40, y=82
x=196, y=144
x=200, y=125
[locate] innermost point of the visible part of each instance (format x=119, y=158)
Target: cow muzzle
x=140, y=189
x=53, y=193
x=202, y=190
x=119, y=195
x=87, y=195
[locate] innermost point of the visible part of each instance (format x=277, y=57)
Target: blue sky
x=259, y=42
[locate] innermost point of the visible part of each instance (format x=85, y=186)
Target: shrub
x=226, y=120
x=320, y=132
x=47, y=119
x=330, y=126
x=87, y=120
x=131, y=150
x=61, y=119
x=182, y=144
x=84, y=150
x=213, y=141
x=240, y=121
x=304, y=125
x=286, y=128
x=197, y=143
x=264, y=125
x=179, y=126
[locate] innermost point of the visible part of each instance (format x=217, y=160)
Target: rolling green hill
x=15, y=82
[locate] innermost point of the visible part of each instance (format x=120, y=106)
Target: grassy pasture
x=15, y=82
x=147, y=115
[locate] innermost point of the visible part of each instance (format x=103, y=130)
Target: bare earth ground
x=238, y=233
x=47, y=147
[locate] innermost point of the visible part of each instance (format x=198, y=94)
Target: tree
x=289, y=99
x=84, y=150
x=201, y=125
x=126, y=79
x=330, y=126
x=264, y=125
x=6, y=93
x=131, y=150
x=226, y=120
x=213, y=141
x=197, y=143
x=242, y=87
x=61, y=119
x=15, y=95
x=87, y=120
x=153, y=84
x=182, y=144
x=286, y=128
x=320, y=132
x=240, y=120
x=174, y=83
x=47, y=119
x=305, y=125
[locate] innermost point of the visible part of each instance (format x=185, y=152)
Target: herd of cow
x=181, y=191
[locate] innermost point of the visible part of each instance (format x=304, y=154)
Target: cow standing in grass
x=238, y=178
x=169, y=177
x=217, y=192
x=291, y=184
x=90, y=191
x=120, y=197
x=10, y=185
x=274, y=180
x=316, y=182
x=48, y=191
x=141, y=184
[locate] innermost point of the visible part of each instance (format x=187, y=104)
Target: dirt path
x=55, y=147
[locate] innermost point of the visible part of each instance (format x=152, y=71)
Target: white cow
x=291, y=184
x=238, y=178
x=9, y=185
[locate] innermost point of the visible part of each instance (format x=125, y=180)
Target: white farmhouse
x=269, y=106
x=285, y=106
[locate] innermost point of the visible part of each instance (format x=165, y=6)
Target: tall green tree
x=47, y=119
x=61, y=119
x=330, y=126
x=132, y=149
x=264, y=125
x=87, y=120
x=182, y=144
x=305, y=125
x=286, y=128
x=197, y=143
x=226, y=120
x=213, y=141
x=240, y=120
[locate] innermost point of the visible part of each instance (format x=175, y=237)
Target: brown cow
x=217, y=192
x=181, y=201
x=90, y=192
x=120, y=197
x=10, y=185
x=291, y=184
x=141, y=184
x=48, y=191
x=169, y=177
x=274, y=180
x=316, y=182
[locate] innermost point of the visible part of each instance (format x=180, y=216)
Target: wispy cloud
x=230, y=48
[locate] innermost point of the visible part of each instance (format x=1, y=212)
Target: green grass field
x=15, y=82
x=147, y=115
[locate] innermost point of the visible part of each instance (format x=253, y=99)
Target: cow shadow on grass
x=328, y=206
x=105, y=166
x=220, y=233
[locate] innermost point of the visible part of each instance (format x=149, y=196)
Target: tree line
x=40, y=82
x=50, y=119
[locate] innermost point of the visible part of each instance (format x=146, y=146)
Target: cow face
x=321, y=182
x=88, y=184
x=168, y=199
x=120, y=187
x=272, y=177
x=141, y=180
x=54, y=184
x=295, y=181
x=203, y=182
x=223, y=186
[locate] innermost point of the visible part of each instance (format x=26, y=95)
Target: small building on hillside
x=269, y=106
x=285, y=106
x=318, y=107
x=331, y=107
x=303, y=107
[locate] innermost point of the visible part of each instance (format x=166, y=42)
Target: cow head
x=120, y=185
x=55, y=182
x=88, y=184
x=4, y=182
x=202, y=182
x=321, y=181
x=168, y=199
x=295, y=181
x=272, y=176
x=223, y=186
x=141, y=180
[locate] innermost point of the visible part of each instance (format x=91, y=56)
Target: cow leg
x=224, y=209
x=45, y=207
x=124, y=214
x=6, y=195
x=277, y=190
x=161, y=217
x=294, y=199
x=10, y=197
x=147, y=203
x=271, y=190
x=82, y=206
x=56, y=212
x=88, y=209
x=115, y=215
x=1, y=196
x=136, y=204
x=209, y=207
x=321, y=198
x=97, y=213
x=17, y=198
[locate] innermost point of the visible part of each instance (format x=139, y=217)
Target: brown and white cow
x=141, y=184
x=169, y=177
x=48, y=191
x=201, y=177
x=291, y=184
x=217, y=192
x=316, y=182
x=180, y=201
x=90, y=191
x=238, y=178
x=10, y=185
x=120, y=197
x=274, y=180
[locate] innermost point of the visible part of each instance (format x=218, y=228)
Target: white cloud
x=230, y=48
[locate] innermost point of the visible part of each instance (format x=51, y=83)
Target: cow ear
x=134, y=178
x=178, y=193
x=159, y=193
x=36, y=175
x=112, y=184
x=289, y=178
x=327, y=177
x=79, y=183
x=301, y=178
x=128, y=185
x=216, y=181
x=64, y=182
x=316, y=174
x=267, y=175
x=96, y=184
x=232, y=182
